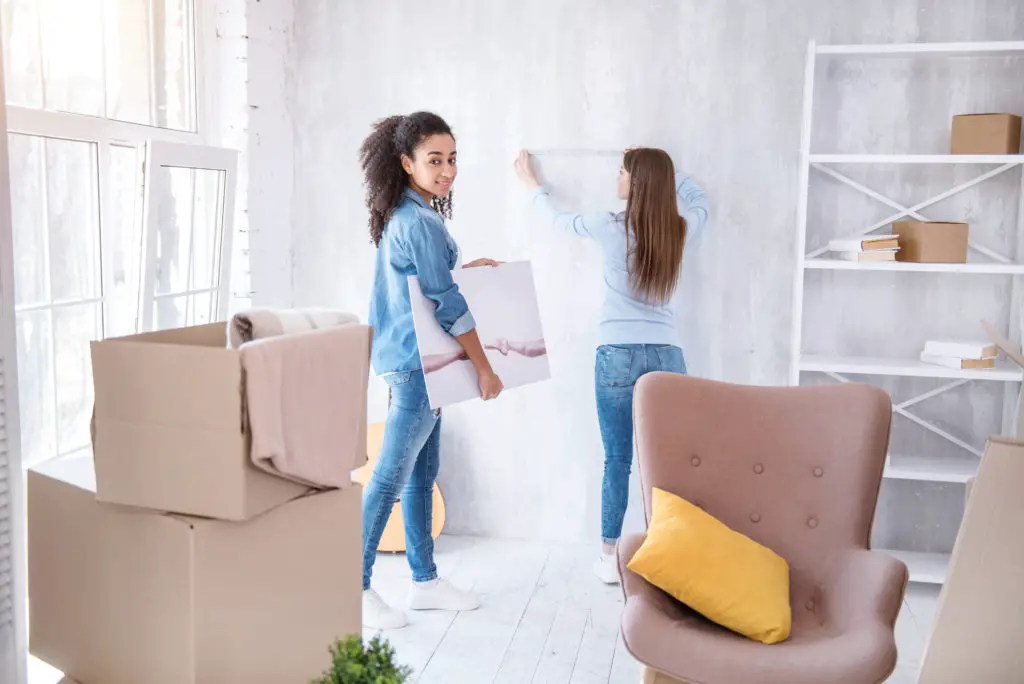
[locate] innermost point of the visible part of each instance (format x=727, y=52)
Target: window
x=122, y=218
x=126, y=60
x=189, y=197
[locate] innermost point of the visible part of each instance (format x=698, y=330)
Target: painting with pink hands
x=503, y=301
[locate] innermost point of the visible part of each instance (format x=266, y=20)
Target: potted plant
x=352, y=663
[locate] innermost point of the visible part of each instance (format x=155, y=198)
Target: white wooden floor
x=545, y=618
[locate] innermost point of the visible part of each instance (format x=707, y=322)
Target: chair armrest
x=633, y=585
x=864, y=586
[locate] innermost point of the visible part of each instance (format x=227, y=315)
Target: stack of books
x=960, y=354
x=866, y=247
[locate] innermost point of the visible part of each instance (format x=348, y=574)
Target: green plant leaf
x=352, y=662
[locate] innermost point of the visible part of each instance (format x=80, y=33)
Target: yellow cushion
x=725, y=576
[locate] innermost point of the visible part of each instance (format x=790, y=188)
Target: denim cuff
x=462, y=325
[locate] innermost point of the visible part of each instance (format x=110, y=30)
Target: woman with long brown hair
x=643, y=254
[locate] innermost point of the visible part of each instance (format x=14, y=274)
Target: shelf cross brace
x=903, y=211
x=901, y=409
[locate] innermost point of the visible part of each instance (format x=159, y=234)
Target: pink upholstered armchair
x=797, y=469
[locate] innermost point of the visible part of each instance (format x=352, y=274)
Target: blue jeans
x=408, y=463
x=616, y=371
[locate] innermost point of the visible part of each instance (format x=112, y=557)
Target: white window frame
x=104, y=133
x=107, y=133
x=13, y=476
x=175, y=155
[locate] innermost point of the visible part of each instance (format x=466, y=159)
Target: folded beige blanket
x=255, y=324
x=305, y=397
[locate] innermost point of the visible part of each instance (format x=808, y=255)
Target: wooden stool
x=393, y=538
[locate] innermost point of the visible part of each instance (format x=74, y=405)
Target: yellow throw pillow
x=725, y=576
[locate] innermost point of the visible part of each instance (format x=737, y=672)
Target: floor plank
x=526, y=649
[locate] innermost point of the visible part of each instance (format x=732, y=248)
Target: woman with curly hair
x=643, y=254
x=409, y=165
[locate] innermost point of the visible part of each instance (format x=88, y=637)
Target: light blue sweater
x=626, y=319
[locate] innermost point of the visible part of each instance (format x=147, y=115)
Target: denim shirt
x=415, y=242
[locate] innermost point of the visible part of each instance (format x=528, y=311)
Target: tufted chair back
x=797, y=469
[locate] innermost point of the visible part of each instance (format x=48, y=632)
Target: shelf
x=978, y=49
x=925, y=568
x=925, y=469
x=1004, y=371
x=917, y=158
x=993, y=268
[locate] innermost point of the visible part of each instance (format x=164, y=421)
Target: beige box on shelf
x=985, y=134
x=168, y=429
x=931, y=241
x=123, y=595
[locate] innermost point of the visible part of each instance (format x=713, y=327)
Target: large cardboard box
x=980, y=617
x=119, y=595
x=168, y=429
x=977, y=627
x=985, y=134
x=1014, y=354
x=931, y=241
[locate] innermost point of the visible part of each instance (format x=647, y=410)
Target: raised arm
x=583, y=225
x=693, y=206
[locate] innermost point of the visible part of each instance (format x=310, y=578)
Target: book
x=864, y=243
x=961, y=349
x=874, y=255
x=958, y=363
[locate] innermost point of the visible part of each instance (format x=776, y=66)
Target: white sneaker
x=606, y=568
x=438, y=594
x=379, y=615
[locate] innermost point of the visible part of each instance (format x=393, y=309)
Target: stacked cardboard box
x=175, y=560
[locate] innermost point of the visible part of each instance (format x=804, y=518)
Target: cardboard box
x=122, y=595
x=168, y=429
x=1014, y=354
x=931, y=241
x=985, y=134
x=980, y=616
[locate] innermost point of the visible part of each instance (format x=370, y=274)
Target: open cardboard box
x=123, y=595
x=1015, y=355
x=980, y=617
x=168, y=429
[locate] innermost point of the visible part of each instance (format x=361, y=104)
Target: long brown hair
x=654, y=224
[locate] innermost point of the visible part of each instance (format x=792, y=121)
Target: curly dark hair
x=380, y=155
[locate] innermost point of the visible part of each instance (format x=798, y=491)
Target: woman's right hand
x=524, y=169
x=490, y=385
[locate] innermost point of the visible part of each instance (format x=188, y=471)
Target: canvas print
x=503, y=301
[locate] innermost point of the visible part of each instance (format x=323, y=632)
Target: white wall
x=252, y=94
x=719, y=85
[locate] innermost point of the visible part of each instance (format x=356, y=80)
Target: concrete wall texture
x=719, y=85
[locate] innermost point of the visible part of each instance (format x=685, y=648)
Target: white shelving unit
x=924, y=567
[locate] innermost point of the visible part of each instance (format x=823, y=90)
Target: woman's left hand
x=482, y=262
